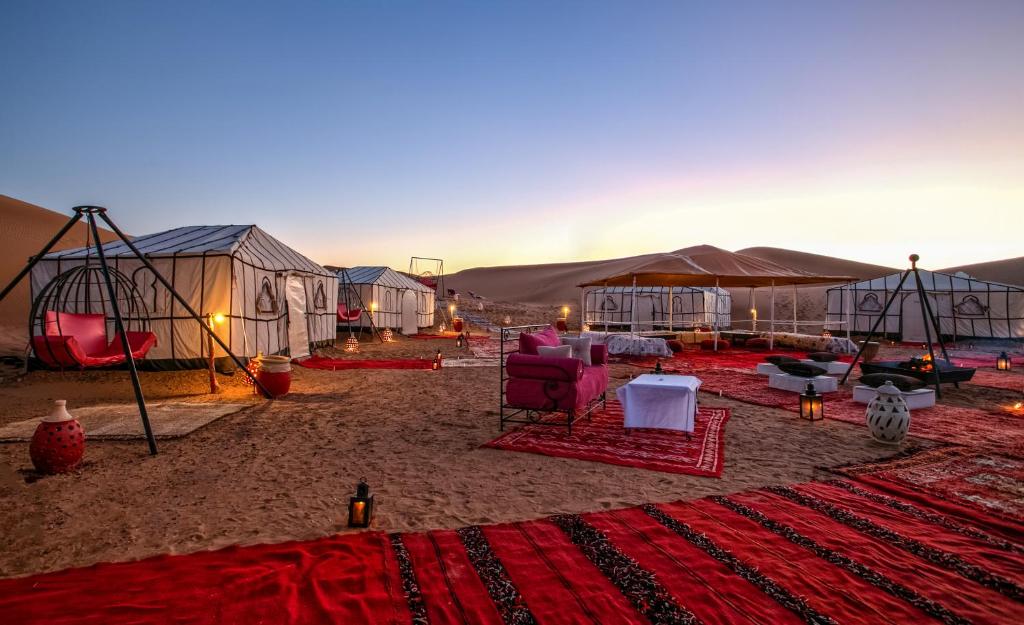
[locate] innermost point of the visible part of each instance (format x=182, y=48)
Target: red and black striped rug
x=843, y=551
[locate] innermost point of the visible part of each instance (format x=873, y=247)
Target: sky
x=491, y=133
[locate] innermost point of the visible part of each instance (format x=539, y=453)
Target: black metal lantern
x=460, y=341
x=437, y=361
x=657, y=368
x=360, y=507
x=1003, y=362
x=811, y=404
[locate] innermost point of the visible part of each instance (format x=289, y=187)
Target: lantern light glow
x=811, y=404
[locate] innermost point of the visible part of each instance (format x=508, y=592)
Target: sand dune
x=24, y=229
x=1009, y=271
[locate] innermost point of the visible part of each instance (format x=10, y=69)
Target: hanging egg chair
x=72, y=320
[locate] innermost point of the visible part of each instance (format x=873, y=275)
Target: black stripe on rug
x=496, y=580
x=925, y=515
x=637, y=584
x=938, y=557
x=411, y=589
x=869, y=575
x=769, y=587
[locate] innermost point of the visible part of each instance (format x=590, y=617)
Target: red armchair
x=535, y=386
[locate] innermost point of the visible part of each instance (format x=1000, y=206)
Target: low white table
x=916, y=399
x=767, y=368
x=666, y=402
x=797, y=384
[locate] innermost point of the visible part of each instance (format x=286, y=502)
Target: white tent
x=273, y=299
x=658, y=308
x=965, y=306
x=401, y=302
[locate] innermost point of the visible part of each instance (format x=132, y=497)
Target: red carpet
x=1008, y=380
x=603, y=439
x=846, y=551
x=339, y=364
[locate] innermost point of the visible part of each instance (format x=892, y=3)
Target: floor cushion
x=801, y=369
x=778, y=360
x=675, y=345
x=904, y=383
x=823, y=357
x=709, y=344
x=757, y=343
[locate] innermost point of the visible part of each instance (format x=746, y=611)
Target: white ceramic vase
x=888, y=416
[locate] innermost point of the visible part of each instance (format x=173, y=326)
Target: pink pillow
x=528, y=343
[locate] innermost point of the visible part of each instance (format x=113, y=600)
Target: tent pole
x=583, y=305
x=715, y=332
x=848, y=294
x=670, y=309
x=604, y=310
x=795, y=331
x=119, y=327
x=923, y=300
x=632, y=309
x=874, y=327
x=771, y=330
x=35, y=259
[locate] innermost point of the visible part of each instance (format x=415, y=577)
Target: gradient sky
x=491, y=133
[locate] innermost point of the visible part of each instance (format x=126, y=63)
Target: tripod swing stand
x=91, y=213
x=930, y=323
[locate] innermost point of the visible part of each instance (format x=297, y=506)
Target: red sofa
x=533, y=384
x=79, y=341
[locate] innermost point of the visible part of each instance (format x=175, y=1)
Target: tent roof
x=616, y=290
x=704, y=265
x=383, y=276
x=933, y=281
x=247, y=242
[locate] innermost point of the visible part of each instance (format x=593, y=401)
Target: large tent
x=658, y=308
x=273, y=300
x=965, y=306
x=709, y=266
x=401, y=302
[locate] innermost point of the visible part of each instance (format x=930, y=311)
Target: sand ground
x=284, y=469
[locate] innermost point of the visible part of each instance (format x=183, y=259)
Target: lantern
x=351, y=344
x=507, y=320
x=1003, y=362
x=459, y=341
x=657, y=368
x=811, y=404
x=360, y=507
x=387, y=335
x=826, y=334
x=253, y=367
x=437, y=361
x=887, y=415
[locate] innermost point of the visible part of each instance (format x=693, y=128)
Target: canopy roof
x=706, y=265
x=933, y=281
x=383, y=276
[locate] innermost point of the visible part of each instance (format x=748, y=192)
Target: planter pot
x=58, y=443
x=276, y=375
x=457, y=324
x=887, y=416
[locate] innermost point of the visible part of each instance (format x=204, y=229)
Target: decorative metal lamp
x=351, y=344
x=562, y=323
x=387, y=335
x=811, y=404
x=360, y=507
x=1003, y=362
x=460, y=340
x=437, y=361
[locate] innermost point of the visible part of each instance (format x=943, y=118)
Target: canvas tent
x=658, y=308
x=273, y=299
x=402, y=303
x=965, y=306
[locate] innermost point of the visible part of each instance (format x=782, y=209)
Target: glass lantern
x=1003, y=362
x=812, y=405
x=360, y=507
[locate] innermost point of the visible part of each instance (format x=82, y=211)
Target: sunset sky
x=494, y=133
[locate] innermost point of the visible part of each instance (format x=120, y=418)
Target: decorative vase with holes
x=888, y=416
x=59, y=442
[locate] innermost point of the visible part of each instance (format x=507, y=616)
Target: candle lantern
x=811, y=404
x=460, y=340
x=387, y=335
x=437, y=361
x=360, y=507
x=507, y=320
x=657, y=368
x=1003, y=362
x=351, y=344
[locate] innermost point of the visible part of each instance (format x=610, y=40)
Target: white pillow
x=580, y=349
x=561, y=351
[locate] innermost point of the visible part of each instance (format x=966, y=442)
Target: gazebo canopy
x=706, y=265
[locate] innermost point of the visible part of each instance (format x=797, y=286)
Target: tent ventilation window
x=870, y=303
x=609, y=303
x=970, y=306
x=320, y=298
x=266, y=303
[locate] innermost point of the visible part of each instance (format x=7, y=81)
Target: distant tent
x=965, y=306
x=402, y=302
x=689, y=307
x=274, y=299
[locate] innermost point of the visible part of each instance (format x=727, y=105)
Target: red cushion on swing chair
x=89, y=330
x=344, y=314
x=67, y=335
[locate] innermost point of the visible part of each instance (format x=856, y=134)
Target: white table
x=797, y=384
x=666, y=402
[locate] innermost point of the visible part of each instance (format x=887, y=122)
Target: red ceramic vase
x=276, y=375
x=58, y=443
x=560, y=325
x=457, y=324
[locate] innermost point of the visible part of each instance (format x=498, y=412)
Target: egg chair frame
x=91, y=214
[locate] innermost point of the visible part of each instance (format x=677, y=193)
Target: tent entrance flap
x=298, y=333
x=409, y=323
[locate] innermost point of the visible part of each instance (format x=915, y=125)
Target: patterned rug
x=603, y=439
x=1009, y=380
x=826, y=553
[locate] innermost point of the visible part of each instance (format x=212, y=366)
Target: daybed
x=75, y=340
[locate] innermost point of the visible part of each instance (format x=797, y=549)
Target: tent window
x=387, y=301
x=319, y=297
x=609, y=303
x=870, y=303
x=267, y=302
x=970, y=306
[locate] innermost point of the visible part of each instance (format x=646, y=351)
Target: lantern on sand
x=437, y=361
x=351, y=344
x=811, y=404
x=562, y=322
x=360, y=507
x=387, y=335
x=1003, y=362
x=460, y=340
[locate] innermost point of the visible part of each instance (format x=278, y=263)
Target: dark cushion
x=757, y=343
x=710, y=344
x=903, y=382
x=674, y=345
x=823, y=357
x=778, y=360
x=801, y=369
